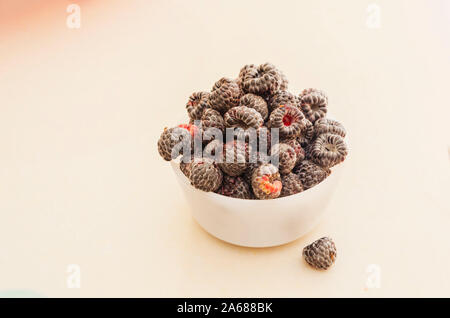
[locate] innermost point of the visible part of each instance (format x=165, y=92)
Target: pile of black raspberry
x=251, y=138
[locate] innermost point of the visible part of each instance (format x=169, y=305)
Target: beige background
x=81, y=111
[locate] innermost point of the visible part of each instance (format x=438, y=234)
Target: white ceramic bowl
x=259, y=223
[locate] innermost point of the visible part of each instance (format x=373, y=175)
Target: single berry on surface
x=266, y=182
x=282, y=98
x=291, y=185
x=320, y=254
x=299, y=151
x=196, y=104
x=256, y=102
x=310, y=173
x=328, y=150
x=314, y=105
x=243, y=117
x=285, y=155
x=235, y=187
x=224, y=95
x=262, y=80
x=331, y=126
x=172, y=142
x=289, y=120
x=205, y=175
x=212, y=119
x=235, y=158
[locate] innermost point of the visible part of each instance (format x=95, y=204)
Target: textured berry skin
x=235, y=187
x=205, y=175
x=262, y=80
x=289, y=121
x=213, y=150
x=299, y=151
x=172, y=140
x=307, y=91
x=243, y=117
x=307, y=134
x=256, y=102
x=224, y=95
x=185, y=167
x=237, y=153
x=282, y=98
x=328, y=150
x=291, y=185
x=266, y=182
x=286, y=157
x=284, y=82
x=212, y=119
x=310, y=174
x=321, y=254
x=325, y=125
x=314, y=105
x=196, y=104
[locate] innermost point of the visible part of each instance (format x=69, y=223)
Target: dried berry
x=307, y=133
x=262, y=80
x=285, y=156
x=325, y=125
x=321, y=254
x=205, y=175
x=185, y=167
x=197, y=103
x=235, y=187
x=235, y=158
x=314, y=105
x=212, y=119
x=256, y=102
x=172, y=142
x=214, y=150
x=224, y=95
x=310, y=174
x=266, y=182
x=289, y=120
x=282, y=98
x=299, y=151
x=328, y=150
x=243, y=117
x=291, y=185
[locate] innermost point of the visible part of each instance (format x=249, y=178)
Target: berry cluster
x=256, y=104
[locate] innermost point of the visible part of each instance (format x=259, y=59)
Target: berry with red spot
x=266, y=182
x=289, y=120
